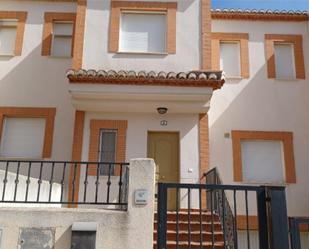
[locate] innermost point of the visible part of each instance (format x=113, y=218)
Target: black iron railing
x=208, y=223
x=222, y=207
x=64, y=183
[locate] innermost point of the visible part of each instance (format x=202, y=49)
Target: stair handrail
x=220, y=205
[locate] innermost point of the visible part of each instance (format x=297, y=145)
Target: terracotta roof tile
x=214, y=79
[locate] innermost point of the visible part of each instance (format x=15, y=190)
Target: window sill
x=234, y=77
x=272, y=184
x=142, y=53
x=26, y=159
x=286, y=79
x=59, y=57
x=7, y=55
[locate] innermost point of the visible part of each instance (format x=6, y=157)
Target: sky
x=262, y=4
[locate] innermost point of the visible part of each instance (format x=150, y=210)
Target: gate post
x=162, y=216
x=278, y=217
x=262, y=216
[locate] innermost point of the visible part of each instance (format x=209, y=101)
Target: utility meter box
x=141, y=197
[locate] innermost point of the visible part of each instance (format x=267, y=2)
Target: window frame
x=117, y=7
x=288, y=151
x=143, y=13
x=62, y=36
x=297, y=41
x=29, y=112
x=243, y=39
x=21, y=17
x=94, y=141
x=49, y=19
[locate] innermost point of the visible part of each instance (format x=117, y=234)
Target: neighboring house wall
x=33, y=80
x=262, y=104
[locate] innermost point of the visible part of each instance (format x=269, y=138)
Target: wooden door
x=163, y=147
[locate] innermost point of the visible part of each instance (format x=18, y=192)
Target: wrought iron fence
x=207, y=223
x=64, y=183
x=295, y=238
x=221, y=206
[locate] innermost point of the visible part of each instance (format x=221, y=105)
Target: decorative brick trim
x=77, y=148
x=288, y=150
x=28, y=112
x=203, y=148
x=243, y=39
x=79, y=34
x=21, y=21
x=260, y=16
x=118, y=6
x=297, y=41
x=49, y=19
x=206, y=34
x=94, y=141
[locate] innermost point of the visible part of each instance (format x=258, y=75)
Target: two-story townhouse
x=142, y=79
x=257, y=121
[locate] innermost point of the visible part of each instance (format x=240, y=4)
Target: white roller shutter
x=284, y=57
x=230, y=58
x=8, y=31
x=22, y=137
x=262, y=161
x=143, y=32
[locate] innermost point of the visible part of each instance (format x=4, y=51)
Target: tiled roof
x=293, y=15
x=214, y=79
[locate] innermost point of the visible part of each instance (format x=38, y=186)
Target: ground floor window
x=107, y=152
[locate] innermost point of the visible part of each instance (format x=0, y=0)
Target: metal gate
x=229, y=203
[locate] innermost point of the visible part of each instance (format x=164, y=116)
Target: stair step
x=194, y=225
x=194, y=216
x=195, y=236
x=193, y=245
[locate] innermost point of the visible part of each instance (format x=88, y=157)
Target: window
x=107, y=143
x=284, y=55
x=284, y=58
x=8, y=30
x=22, y=137
x=145, y=33
x=58, y=34
x=263, y=156
x=107, y=151
x=262, y=161
x=143, y=27
x=230, y=58
x=62, y=39
x=230, y=53
x=83, y=235
x=12, y=26
x=26, y=131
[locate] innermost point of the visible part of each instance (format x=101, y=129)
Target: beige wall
x=96, y=54
x=115, y=229
x=259, y=103
x=31, y=80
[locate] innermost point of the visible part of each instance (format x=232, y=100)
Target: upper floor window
x=230, y=59
x=58, y=34
x=285, y=58
x=230, y=53
x=142, y=32
x=12, y=26
x=62, y=39
x=8, y=30
x=143, y=27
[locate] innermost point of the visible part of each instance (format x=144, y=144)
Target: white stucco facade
x=262, y=104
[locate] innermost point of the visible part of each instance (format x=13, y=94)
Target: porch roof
x=211, y=79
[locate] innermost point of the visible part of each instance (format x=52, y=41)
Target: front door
x=163, y=147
